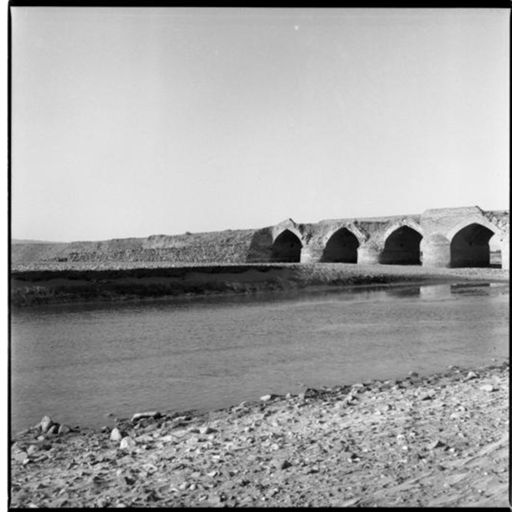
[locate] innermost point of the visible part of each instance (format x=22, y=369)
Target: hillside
x=229, y=246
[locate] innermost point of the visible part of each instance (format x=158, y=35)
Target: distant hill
x=26, y=241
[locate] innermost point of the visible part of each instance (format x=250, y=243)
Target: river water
x=78, y=363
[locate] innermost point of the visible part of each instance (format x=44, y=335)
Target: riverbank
x=130, y=282
x=437, y=440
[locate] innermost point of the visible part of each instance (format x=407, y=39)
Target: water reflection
x=468, y=289
x=435, y=291
x=444, y=291
x=412, y=291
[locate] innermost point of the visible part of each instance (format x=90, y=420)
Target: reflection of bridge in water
x=448, y=237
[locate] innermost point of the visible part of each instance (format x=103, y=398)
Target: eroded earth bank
x=160, y=281
x=438, y=440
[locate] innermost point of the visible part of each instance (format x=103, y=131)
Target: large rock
x=115, y=435
x=32, y=449
x=21, y=456
x=127, y=443
x=54, y=429
x=64, y=429
x=45, y=424
x=149, y=414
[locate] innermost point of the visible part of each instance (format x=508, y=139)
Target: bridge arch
x=341, y=246
x=469, y=245
x=474, y=219
x=401, y=246
x=286, y=247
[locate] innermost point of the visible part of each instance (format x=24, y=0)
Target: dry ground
x=439, y=440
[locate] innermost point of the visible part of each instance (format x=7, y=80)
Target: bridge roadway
x=446, y=237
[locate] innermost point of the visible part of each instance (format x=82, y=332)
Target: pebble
x=266, y=398
x=205, y=430
x=127, y=443
x=115, y=435
x=435, y=444
x=285, y=464
x=488, y=388
x=287, y=459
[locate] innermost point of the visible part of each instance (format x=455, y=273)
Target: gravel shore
x=437, y=440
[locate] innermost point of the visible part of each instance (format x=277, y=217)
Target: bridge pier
x=505, y=249
x=436, y=251
x=311, y=254
x=368, y=254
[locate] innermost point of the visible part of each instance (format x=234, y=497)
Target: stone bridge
x=447, y=237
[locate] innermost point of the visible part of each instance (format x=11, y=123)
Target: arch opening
x=402, y=247
x=286, y=248
x=341, y=247
x=470, y=247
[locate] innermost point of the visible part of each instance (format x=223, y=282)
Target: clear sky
x=138, y=121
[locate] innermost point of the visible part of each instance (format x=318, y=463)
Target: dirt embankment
x=229, y=246
x=439, y=440
x=132, y=282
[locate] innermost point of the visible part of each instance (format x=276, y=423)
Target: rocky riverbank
x=438, y=440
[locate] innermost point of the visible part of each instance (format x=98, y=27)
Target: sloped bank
x=128, y=282
x=437, y=440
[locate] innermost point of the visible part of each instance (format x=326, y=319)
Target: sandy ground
x=438, y=440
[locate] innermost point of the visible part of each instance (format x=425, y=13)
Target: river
x=77, y=363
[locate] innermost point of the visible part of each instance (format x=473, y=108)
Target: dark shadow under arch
x=402, y=247
x=341, y=247
x=470, y=247
x=286, y=248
